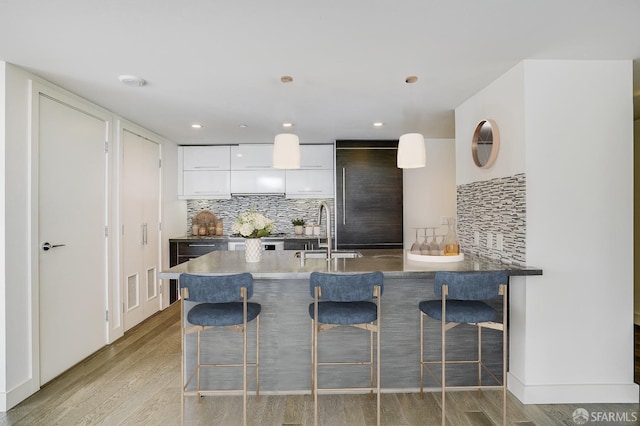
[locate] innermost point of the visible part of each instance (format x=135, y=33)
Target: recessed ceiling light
x=411, y=79
x=132, y=80
x=196, y=126
x=243, y=126
x=287, y=124
x=378, y=124
x=286, y=79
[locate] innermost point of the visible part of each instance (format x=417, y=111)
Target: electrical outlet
x=489, y=240
x=500, y=242
x=476, y=238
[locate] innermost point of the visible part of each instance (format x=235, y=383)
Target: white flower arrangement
x=252, y=224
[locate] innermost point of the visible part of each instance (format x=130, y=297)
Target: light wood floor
x=136, y=381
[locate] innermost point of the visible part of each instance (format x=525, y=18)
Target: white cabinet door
x=204, y=172
x=309, y=184
x=140, y=228
x=314, y=179
x=205, y=157
x=316, y=157
x=205, y=184
x=251, y=157
x=257, y=181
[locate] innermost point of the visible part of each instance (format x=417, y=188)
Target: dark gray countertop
x=285, y=265
x=187, y=238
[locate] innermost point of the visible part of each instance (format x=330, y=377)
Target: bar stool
x=345, y=300
x=221, y=301
x=463, y=295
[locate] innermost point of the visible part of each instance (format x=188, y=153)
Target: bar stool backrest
x=345, y=287
x=470, y=285
x=218, y=288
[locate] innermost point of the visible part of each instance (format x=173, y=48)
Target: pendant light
x=411, y=151
x=286, y=151
x=286, y=147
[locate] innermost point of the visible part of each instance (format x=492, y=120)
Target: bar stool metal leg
x=463, y=300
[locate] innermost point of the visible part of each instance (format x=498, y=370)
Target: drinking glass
x=425, y=247
x=415, y=247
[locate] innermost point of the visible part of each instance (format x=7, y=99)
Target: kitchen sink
x=322, y=254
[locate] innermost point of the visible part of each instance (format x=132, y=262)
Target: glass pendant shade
x=411, y=151
x=286, y=151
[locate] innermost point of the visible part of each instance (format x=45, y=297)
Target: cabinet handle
x=258, y=167
x=202, y=245
x=344, y=197
x=206, y=167
x=310, y=166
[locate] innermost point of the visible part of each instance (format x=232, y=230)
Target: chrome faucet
x=326, y=208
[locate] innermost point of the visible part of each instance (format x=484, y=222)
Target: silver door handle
x=344, y=197
x=144, y=233
x=48, y=246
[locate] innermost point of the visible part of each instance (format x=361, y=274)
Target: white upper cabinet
x=257, y=181
x=204, y=172
x=205, y=157
x=252, y=171
x=314, y=157
x=214, y=172
x=251, y=157
x=315, y=177
x=309, y=184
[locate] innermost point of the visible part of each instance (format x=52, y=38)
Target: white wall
x=17, y=302
x=502, y=101
x=3, y=281
x=568, y=125
x=174, y=211
x=19, y=257
x=636, y=228
x=430, y=192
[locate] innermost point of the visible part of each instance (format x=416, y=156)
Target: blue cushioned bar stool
x=220, y=301
x=463, y=301
x=346, y=300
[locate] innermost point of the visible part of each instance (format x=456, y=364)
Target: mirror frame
x=495, y=144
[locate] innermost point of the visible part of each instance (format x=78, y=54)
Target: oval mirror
x=485, y=144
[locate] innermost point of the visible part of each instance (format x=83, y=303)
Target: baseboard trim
x=15, y=396
x=573, y=394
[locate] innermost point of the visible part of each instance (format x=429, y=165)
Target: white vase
x=298, y=229
x=253, y=249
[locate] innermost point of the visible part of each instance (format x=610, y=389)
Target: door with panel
x=369, y=199
x=72, y=218
x=140, y=228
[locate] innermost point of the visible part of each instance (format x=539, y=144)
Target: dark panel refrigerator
x=368, y=195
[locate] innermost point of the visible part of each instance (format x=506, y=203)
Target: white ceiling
x=219, y=63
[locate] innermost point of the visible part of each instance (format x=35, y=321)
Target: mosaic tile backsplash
x=277, y=208
x=496, y=206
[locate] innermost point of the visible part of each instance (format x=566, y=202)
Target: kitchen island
x=282, y=287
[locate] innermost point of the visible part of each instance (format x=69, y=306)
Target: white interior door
x=72, y=216
x=141, y=218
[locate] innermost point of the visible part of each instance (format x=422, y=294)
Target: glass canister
x=451, y=244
